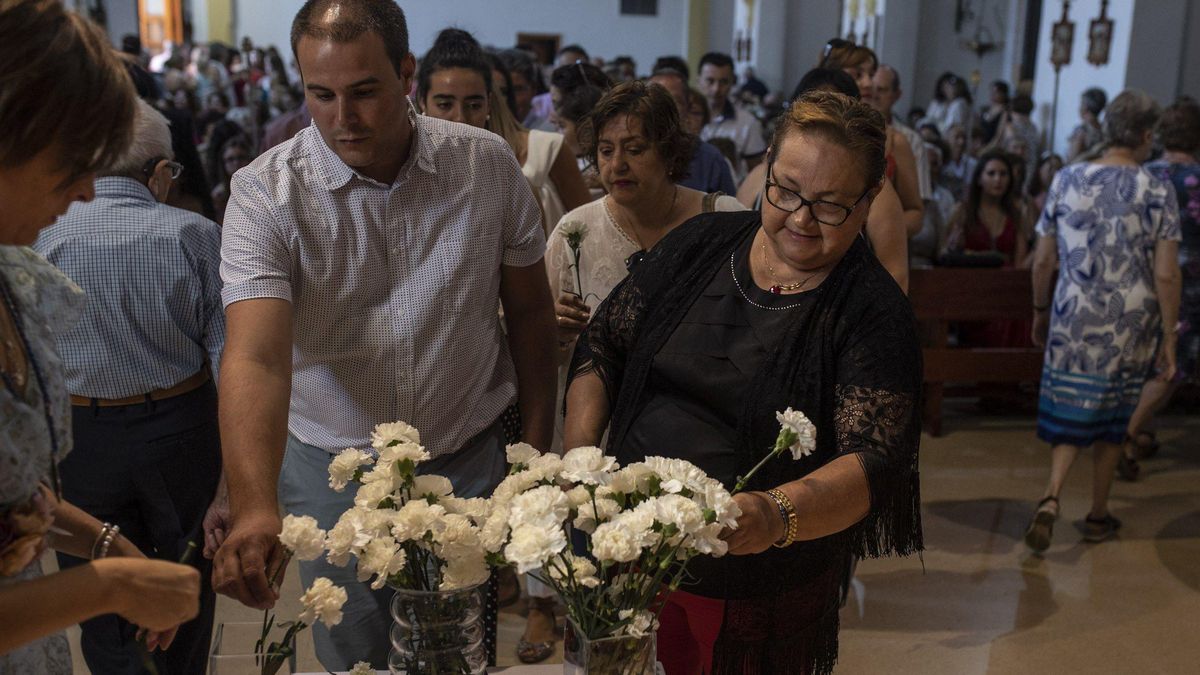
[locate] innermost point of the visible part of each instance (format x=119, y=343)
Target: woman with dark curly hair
x=735, y=316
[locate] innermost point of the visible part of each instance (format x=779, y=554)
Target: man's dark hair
x=1022, y=105
x=676, y=63
x=520, y=62
x=574, y=48
x=580, y=87
x=717, y=59
x=382, y=17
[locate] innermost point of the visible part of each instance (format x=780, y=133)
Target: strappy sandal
x=1128, y=467
x=1098, y=529
x=536, y=652
x=1037, y=536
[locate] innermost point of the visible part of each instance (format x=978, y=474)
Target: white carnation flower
x=371, y=493
x=677, y=474
x=707, y=540
x=531, y=546
x=545, y=467
x=643, y=623
x=323, y=601
x=362, y=668
x=416, y=518
x=588, y=465
x=806, y=433
x=431, y=485
x=717, y=499
x=520, y=453
x=580, y=568
x=344, y=465
x=613, y=543
x=592, y=513
x=381, y=558
x=631, y=479
x=464, y=571
x=514, y=485
x=394, y=432
x=302, y=537
x=545, y=506
x=384, y=472
x=354, y=530
x=494, y=532
x=685, y=514
x=399, y=452
x=475, y=508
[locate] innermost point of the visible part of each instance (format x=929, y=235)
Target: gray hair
x=151, y=138
x=1128, y=117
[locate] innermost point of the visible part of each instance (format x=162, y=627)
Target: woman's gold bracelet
x=788, y=512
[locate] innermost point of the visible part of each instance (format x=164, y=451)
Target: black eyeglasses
x=175, y=167
x=824, y=212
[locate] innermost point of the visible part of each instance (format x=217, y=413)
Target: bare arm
x=906, y=186
x=532, y=340
x=1168, y=284
x=587, y=411
x=885, y=229
x=152, y=593
x=1045, y=255
x=753, y=184
x=255, y=387
x=568, y=181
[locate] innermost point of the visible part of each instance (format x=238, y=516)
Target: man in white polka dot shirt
x=364, y=261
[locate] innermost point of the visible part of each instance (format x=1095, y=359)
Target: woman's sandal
x=536, y=652
x=1128, y=467
x=1037, y=536
x=1098, y=529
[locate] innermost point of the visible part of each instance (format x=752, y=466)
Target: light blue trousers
x=304, y=491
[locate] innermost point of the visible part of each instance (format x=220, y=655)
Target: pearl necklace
x=742, y=291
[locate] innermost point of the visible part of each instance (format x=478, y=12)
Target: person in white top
x=363, y=263
x=456, y=84
x=641, y=149
x=951, y=104
x=728, y=121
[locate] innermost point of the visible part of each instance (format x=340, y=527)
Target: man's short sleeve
x=524, y=237
x=255, y=261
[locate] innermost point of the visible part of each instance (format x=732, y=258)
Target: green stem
x=743, y=480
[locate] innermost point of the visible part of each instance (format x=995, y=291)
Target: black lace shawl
x=851, y=362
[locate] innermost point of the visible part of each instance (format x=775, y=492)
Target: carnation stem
x=780, y=446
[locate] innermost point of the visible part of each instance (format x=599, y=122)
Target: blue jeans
x=304, y=490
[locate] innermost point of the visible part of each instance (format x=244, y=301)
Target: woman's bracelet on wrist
x=788, y=513
x=104, y=540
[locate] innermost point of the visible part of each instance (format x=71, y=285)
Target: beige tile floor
x=980, y=603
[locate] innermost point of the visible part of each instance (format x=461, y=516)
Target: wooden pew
x=941, y=296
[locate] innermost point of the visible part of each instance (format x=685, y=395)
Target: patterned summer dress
x=30, y=439
x=1186, y=178
x=1105, y=323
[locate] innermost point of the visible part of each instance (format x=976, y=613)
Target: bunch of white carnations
x=640, y=525
x=404, y=530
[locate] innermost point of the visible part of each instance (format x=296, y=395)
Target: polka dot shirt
x=394, y=288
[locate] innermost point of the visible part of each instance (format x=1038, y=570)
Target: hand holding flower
x=758, y=527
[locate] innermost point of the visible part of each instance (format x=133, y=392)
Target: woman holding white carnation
x=732, y=318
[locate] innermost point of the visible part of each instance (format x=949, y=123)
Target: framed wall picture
x=1062, y=40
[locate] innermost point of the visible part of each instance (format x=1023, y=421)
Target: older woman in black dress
x=739, y=315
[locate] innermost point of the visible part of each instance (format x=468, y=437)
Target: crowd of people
x=328, y=231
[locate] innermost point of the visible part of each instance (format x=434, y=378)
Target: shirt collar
x=337, y=174
x=123, y=186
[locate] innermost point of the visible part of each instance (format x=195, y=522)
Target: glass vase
x=621, y=655
x=437, y=632
x=233, y=652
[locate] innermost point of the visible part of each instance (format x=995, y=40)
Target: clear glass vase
x=437, y=632
x=233, y=652
x=623, y=655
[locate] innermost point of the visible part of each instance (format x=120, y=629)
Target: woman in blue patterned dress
x=1179, y=134
x=1113, y=228
x=66, y=108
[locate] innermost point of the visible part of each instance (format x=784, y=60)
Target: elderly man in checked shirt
x=147, y=454
x=364, y=261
